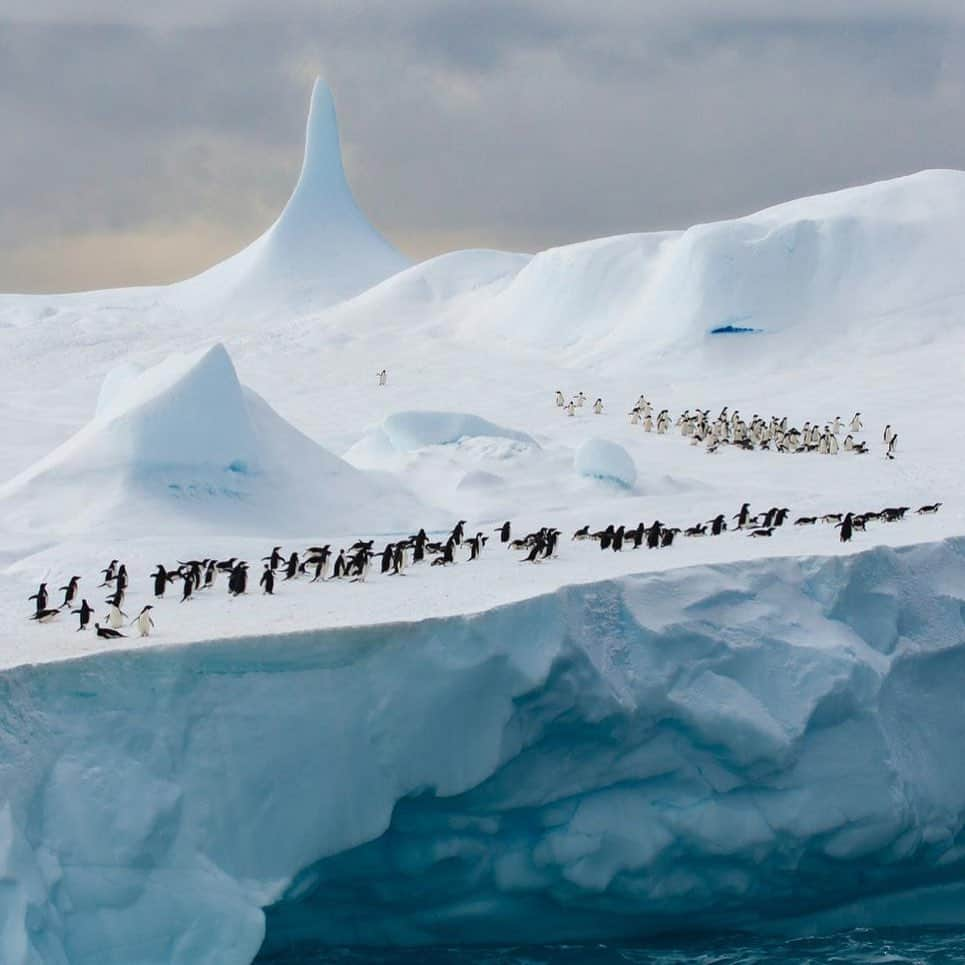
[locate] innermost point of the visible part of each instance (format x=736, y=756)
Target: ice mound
x=186, y=440
x=322, y=249
x=114, y=384
x=602, y=459
x=413, y=430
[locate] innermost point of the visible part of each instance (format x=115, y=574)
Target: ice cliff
x=766, y=744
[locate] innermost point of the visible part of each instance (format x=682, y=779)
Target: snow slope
x=599, y=761
x=730, y=732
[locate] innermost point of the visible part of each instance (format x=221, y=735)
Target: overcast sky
x=141, y=146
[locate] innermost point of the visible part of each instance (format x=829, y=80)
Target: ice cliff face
x=764, y=744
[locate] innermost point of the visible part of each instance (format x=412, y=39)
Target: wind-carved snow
x=186, y=439
x=654, y=753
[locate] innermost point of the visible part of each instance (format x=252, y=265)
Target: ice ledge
x=718, y=746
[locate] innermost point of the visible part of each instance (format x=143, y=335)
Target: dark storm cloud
x=177, y=131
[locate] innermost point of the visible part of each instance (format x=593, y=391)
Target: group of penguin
x=731, y=429
x=354, y=563
x=577, y=402
x=115, y=576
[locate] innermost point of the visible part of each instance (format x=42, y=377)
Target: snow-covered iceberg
x=755, y=745
x=603, y=459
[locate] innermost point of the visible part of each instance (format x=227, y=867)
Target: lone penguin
x=560, y=401
x=846, y=526
x=383, y=377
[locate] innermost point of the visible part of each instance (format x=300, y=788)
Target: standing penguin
x=275, y=559
x=856, y=423
x=187, y=587
x=457, y=532
x=892, y=445
x=653, y=535
x=718, y=525
x=339, y=570
x=504, y=532
x=580, y=399
x=238, y=581
x=291, y=569
x=383, y=377
x=847, y=526
x=560, y=401
x=70, y=591
x=388, y=554
x=419, y=546
x=116, y=617
x=144, y=622
x=161, y=580
x=121, y=580
x=320, y=559
x=743, y=515
x=41, y=597
x=598, y=407
x=268, y=580
x=84, y=612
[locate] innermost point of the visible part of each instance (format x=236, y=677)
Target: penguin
x=535, y=550
x=560, y=401
x=339, y=570
x=41, y=597
x=161, y=579
x=598, y=407
x=766, y=531
x=238, y=581
x=388, y=554
x=120, y=580
x=856, y=423
x=361, y=565
x=144, y=622
x=743, y=515
x=45, y=615
x=383, y=377
x=275, y=559
x=667, y=536
x=457, y=532
x=892, y=446
x=504, y=532
x=582, y=533
x=116, y=616
x=780, y=517
x=419, y=546
x=398, y=559
x=70, y=591
x=605, y=537
x=846, y=527
x=616, y=544
x=698, y=530
x=805, y=520
x=653, y=535
x=580, y=399
x=268, y=580
x=886, y=435
x=109, y=573
x=291, y=568
x=210, y=574
x=187, y=587
x=718, y=525
x=320, y=557
x=929, y=510
x=552, y=538
x=116, y=599
x=84, y=612
x=107, y=633
x=476, y=543
x=226, y=566
x=570, y=408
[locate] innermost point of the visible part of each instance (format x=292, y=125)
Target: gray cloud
x=506, y=123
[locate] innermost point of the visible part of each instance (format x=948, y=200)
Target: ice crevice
x=758, y=745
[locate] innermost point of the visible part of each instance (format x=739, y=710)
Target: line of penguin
x=354, y=564
x=730, y=429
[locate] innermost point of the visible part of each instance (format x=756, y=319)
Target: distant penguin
x=616, y=543
x=929, y=510
x=398, y=559
x=598, y=407
x=743, y=516
x=383, y=377
x=339, y=570
x=504, y=532
x=848, y=443
x=320, y=559
x=582, y=533
x=109, y=573
x=667, y=537
x=40, y=597
x=70, y=591
x=571, y=408
x=856, y=423
x=886, y=435
x=419, y=546
x=161, y=580
x=846, y=525
x=116, y=616
x=267, y=580
x=107, y=633
x=121, y=580
x=387, y=555
x=84, y=613
x=580, y=399
x=275, y=559
x=45, y=615
x=238, y=581
x=291, y=568
x=653, y=535
x=187, y=587
x=144, y=622
x=717, y=525
x=560, y=401
x=476, y=544
x=457, y=532
x=210, y=574
x=892, y=445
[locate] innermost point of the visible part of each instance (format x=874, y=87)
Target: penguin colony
x=731, y=429
x=354, y=564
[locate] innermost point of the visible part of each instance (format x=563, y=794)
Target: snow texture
x=602, y=459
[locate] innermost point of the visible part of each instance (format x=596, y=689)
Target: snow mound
x=114, y=384
x=186, y=440
x=405, y=431
x=321, y=250
x=602, y=459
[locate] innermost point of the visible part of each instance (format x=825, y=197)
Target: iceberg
x=758, y=745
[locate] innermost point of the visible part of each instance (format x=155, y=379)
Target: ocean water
x=859, y=947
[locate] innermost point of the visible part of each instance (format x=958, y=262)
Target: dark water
x=860, y=947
